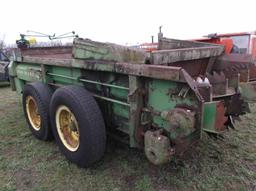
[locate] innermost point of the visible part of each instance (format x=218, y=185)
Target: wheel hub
x=33, y=113
x=67, y=128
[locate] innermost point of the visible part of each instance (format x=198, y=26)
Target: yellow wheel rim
x=33, y=113
x=67, y=128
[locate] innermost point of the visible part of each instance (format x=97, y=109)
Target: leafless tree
x=2, y=44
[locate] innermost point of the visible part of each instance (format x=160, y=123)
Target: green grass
x=29, y=164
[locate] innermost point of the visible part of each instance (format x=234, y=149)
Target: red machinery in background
x=237, y=43
x=242, y=46
x=239, y=58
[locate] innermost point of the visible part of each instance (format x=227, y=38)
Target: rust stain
x=220, y=116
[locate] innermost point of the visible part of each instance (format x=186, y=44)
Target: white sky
x=131, y=21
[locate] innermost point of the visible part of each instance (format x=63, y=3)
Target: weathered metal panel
x=54, y=51
x=88, y=49
x=48, y=61
x=136, y=104
x=167, y=43
x=165, y=96
x=153, y=71
x=29, y=72
x=175, y=55
x=234, y=64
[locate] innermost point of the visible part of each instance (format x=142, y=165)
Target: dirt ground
x=30, y=164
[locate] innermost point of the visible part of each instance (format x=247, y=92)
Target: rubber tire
x=90, y=121
x=42, y=94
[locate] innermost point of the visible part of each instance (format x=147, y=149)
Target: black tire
x=42, y=96
x=90, y=122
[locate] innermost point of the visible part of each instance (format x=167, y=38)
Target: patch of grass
x=144, y=184
x=29, y=164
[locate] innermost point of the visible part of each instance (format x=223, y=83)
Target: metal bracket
x=192, y=84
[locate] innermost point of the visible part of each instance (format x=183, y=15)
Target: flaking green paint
x=161, y=98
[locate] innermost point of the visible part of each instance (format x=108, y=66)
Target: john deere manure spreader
x=160, y=102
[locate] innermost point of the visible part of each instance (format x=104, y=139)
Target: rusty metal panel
x=48, y=52
x=234, y=64
x=47, y=61
x=253, y=71
x=194, y=68
x=220, y=117
x=218, y=82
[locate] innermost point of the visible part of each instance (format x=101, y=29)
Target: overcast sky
x=131, y=21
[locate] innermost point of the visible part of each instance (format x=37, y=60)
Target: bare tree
x=2, y=44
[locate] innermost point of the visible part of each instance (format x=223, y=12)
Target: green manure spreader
x=160, y=102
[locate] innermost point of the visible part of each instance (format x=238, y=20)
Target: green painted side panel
x=121, y=110
x=163, y=96
x=12, y=68
x=120, y=117
x=68, y=72
x=29, y=72
x=76, y=72
x=119, y=94
x=209, y=116
x=19, y=85
x=158, y=95
x=113, y=113
x=12, y=73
